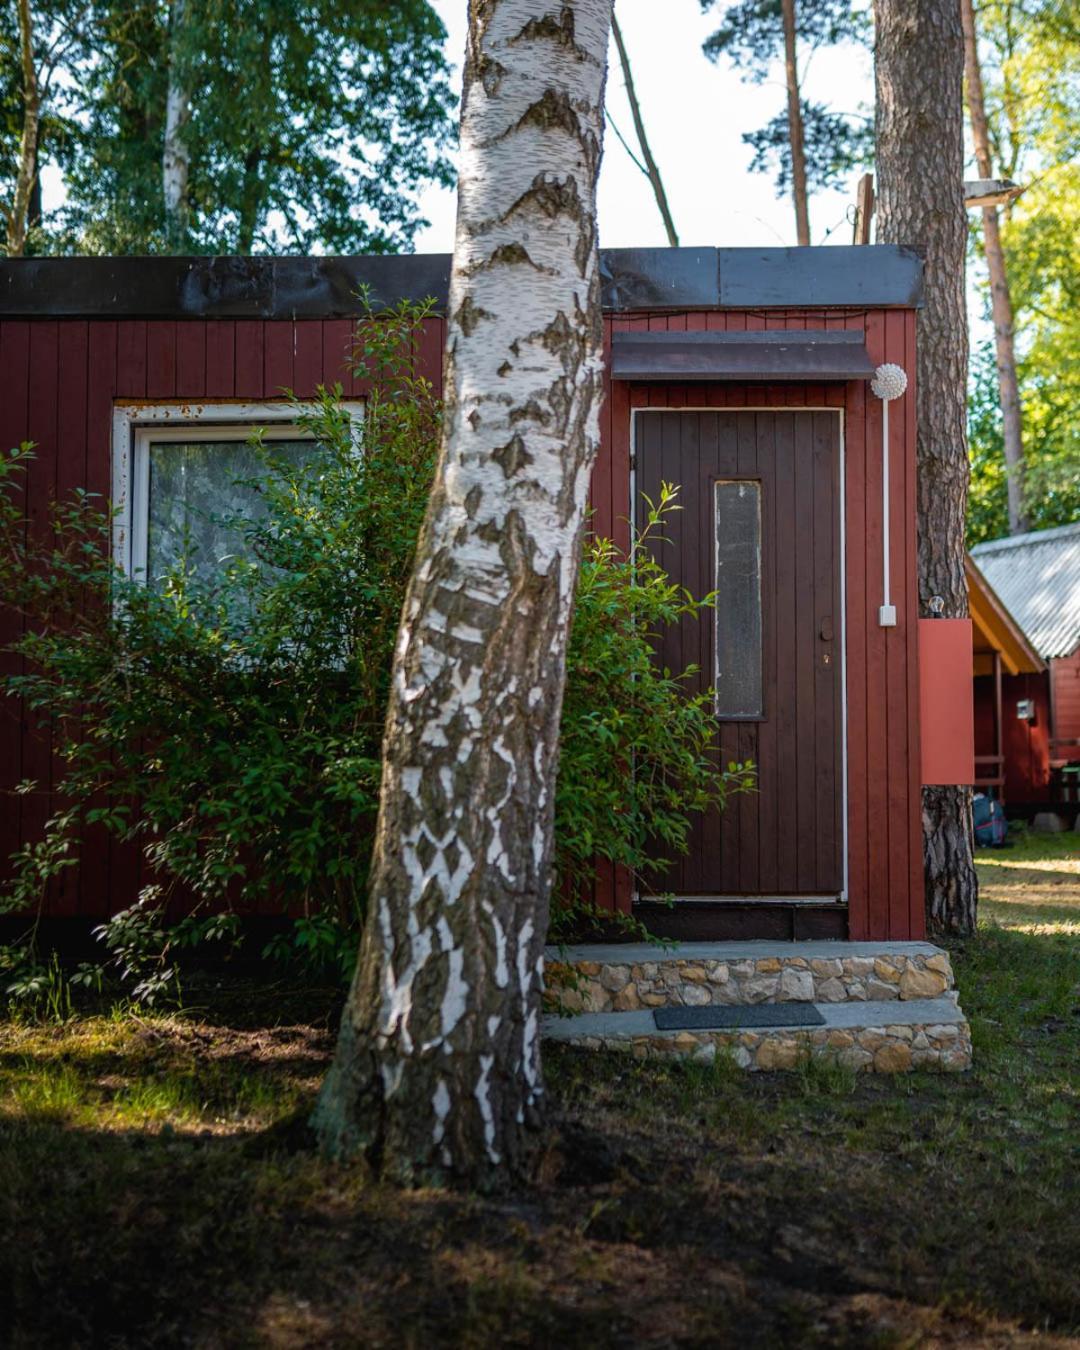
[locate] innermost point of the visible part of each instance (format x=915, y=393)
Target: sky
x=695, y=113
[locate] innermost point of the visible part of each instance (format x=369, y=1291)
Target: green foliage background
x=313, y=123
x=1030, y=53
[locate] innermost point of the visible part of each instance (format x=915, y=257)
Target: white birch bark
x=18, y=214
x=437, y=1072
x=176, y=155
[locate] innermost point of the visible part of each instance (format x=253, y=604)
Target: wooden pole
x=795, y=126
x=864, y=209
x=999, y=728
x=649, y=167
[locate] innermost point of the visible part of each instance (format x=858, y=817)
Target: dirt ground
x=154, y=1193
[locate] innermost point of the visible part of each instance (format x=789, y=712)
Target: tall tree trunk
x=437, y=1070
x=250, y=210
x=795, y=125
x=919, y=66
x=1000, y=299
x=652, y=171
x=176, y=155
x=28, y=141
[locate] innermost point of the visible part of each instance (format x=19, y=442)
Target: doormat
x=740, y=1015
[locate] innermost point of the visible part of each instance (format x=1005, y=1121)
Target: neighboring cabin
x=1035, y=579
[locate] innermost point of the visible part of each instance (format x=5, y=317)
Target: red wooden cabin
x=1034, y=705
x=742, y=375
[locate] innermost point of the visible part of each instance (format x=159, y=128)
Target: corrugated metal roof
x=1037, y=575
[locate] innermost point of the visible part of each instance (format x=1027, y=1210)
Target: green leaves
x=636, y=756
x=1031, y=69
x=311, y=125
x=229, y=722
x=242, y=708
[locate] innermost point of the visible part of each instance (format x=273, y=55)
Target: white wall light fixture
x=889, y=383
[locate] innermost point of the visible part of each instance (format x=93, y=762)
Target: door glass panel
x=738, y=674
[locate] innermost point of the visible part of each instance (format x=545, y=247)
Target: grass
x=1034, y=882
x=150, y=1194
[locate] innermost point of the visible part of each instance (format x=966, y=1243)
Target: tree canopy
x=751, y=36
x=307, y=125
x=1031, y=65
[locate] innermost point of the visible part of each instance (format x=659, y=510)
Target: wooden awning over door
x=810, y=354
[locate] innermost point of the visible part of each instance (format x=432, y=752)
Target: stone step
x=624, y=977
x=875, y=1037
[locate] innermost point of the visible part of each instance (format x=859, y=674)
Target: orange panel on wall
x=947, y=716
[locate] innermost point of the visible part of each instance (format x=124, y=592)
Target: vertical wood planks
x=58, y=383
x=42, y=422
x=249, y=374
x=220, y=359
x=278, y=359
x=161, y=358
x=14, y=397
x=337, y=351
x=307, y=372
x=190, y=358
x=71, y=474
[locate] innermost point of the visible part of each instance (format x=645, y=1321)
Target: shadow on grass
x=669, y=1205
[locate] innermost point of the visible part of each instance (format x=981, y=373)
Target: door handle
x=826, y=630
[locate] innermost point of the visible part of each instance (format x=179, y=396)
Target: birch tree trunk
x=919, y=65
x=437, y=1070
x=648, y=166
x=176, y=156
x=1000, y=299
x=795, y=125
x=19, y=212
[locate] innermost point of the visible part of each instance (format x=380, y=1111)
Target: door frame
x=842, y=898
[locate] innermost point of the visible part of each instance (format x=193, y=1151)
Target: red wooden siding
x=1025, y=744
x=1065, y=684
x=885, y=878
x=58, y=383
x=786, y=837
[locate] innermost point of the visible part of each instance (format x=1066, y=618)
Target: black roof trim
x=805, y=354
x=877, y=276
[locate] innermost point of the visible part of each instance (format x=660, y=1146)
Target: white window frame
x=136, y=425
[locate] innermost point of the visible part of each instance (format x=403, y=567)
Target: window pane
x=193, y=485
x=738, y=599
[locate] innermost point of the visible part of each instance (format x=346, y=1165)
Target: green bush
x=242, y=707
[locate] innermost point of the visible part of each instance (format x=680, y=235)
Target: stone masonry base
x=610, y=978
x=870, y=1043
x=887, y=1008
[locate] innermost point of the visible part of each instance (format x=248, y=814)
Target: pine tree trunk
x=437, y=1071
x=176, y=156
x=28, y=140
x=919, y=64
x=795, y=125
x=652, y=170
x=1000, y=298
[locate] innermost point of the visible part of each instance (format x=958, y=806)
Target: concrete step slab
x=882, y=1037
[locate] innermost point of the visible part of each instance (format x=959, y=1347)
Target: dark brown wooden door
x=760, y=524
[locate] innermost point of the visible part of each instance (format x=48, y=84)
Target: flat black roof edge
x=634, y=279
